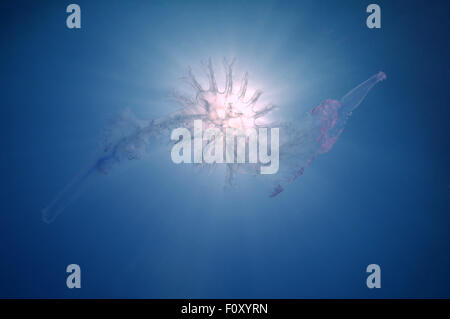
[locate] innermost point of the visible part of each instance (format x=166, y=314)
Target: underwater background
x=154, y=229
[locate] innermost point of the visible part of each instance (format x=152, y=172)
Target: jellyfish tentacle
x=182, y=99
x=255, y=97
x=193, y=81
x=229, y=76
x=211, y=76
x=243, y=89
x=267, y=109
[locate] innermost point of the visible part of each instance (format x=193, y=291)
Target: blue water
x=152, y=229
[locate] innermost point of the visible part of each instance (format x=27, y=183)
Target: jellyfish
x=127, y=137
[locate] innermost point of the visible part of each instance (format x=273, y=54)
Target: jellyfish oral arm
x=66, y=196
x=318, y=132
x=352, y=99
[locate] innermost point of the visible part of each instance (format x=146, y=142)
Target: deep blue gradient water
x=152, y=229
